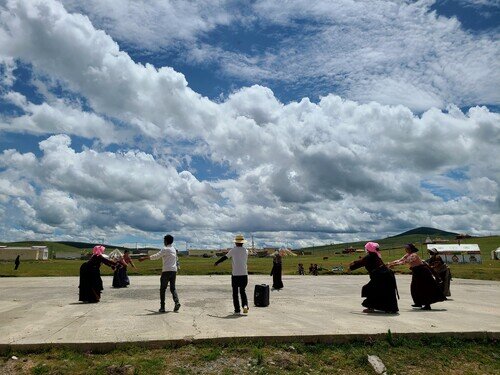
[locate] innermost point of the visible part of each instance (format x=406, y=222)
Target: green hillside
x=426, y=231
x=415, y=236
x=86, y=245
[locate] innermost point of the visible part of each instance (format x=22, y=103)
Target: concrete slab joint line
x=48, y=316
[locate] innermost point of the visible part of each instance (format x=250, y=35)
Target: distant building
x=429, y=240
x=26, y=253
x=206, y=252
x=458, y=253
x=67, y=255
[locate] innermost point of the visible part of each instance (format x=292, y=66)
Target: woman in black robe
x=441, y=270
x=276, y=271
x=90, y=276
x=424, y=287
x=120, y=277
x=381, y=291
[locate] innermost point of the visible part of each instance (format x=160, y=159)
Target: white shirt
x=169, y=255
x=239, y=257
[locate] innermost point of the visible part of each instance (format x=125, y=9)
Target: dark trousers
x=239, y=283
x=168, y=277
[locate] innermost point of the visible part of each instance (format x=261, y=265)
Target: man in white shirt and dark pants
x=239, y=278
x=169, y=271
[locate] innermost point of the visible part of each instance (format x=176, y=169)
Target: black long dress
x=424, y=287
x=276, y=272
x=381, y=291
x=443, y=271
x=120, y=277
x=90, y=278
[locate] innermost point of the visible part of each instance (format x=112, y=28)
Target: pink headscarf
x=98, y=250
x=373, y=247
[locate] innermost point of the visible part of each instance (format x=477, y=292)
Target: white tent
x=495, y=254
x=458, y=253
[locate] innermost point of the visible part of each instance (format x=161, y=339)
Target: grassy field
x=488, y=270
x=400, y=356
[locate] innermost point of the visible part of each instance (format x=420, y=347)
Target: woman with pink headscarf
x=90, y=276
x=381, y=291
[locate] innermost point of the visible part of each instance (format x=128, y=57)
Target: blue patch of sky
x=209, y=80
x=205, y=169
x=458, y=174
x=201, y=78
x=440, y=191
x=491, y=107
x=23, y=83
x=24, y=143
x=475, y=17
x=8, y=109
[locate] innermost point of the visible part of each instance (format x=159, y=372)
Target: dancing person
x=239, y=273
x=17, y=262
x=90, y=276
x=311, y=269
x=424, y=288
x=441, y=269
x=381, y=291
x=169, y=271
x=276, y=271
x=120, y=276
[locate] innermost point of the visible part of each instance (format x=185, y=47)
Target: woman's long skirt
x=90, y=284
x=380, y=293
x=445, y=276
x=424, y=288
x=276, y=272
x=120, y=278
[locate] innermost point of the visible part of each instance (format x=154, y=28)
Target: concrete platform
x=44, y=311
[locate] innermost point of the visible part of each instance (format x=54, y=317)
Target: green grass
x=405, y=356
x=488, y=270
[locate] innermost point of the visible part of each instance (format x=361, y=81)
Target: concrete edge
x=105, y=347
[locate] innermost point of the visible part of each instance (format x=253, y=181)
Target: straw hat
x=239, y=239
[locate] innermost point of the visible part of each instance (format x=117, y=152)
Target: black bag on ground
x=261, y=295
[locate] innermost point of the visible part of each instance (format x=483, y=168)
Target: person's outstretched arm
x=158, y=255
x=222, y=259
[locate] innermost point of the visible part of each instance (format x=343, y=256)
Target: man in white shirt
x=239, y=278
x=169, y=271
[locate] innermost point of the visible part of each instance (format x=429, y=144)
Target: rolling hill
x=426, y=231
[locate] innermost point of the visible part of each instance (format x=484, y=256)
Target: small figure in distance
x=300, y=269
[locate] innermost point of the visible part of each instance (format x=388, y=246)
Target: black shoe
x=426, y=307
x=161, y=310
x=416, y=305
x=177, y=307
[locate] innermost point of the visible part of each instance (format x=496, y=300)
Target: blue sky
x=302, y=123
